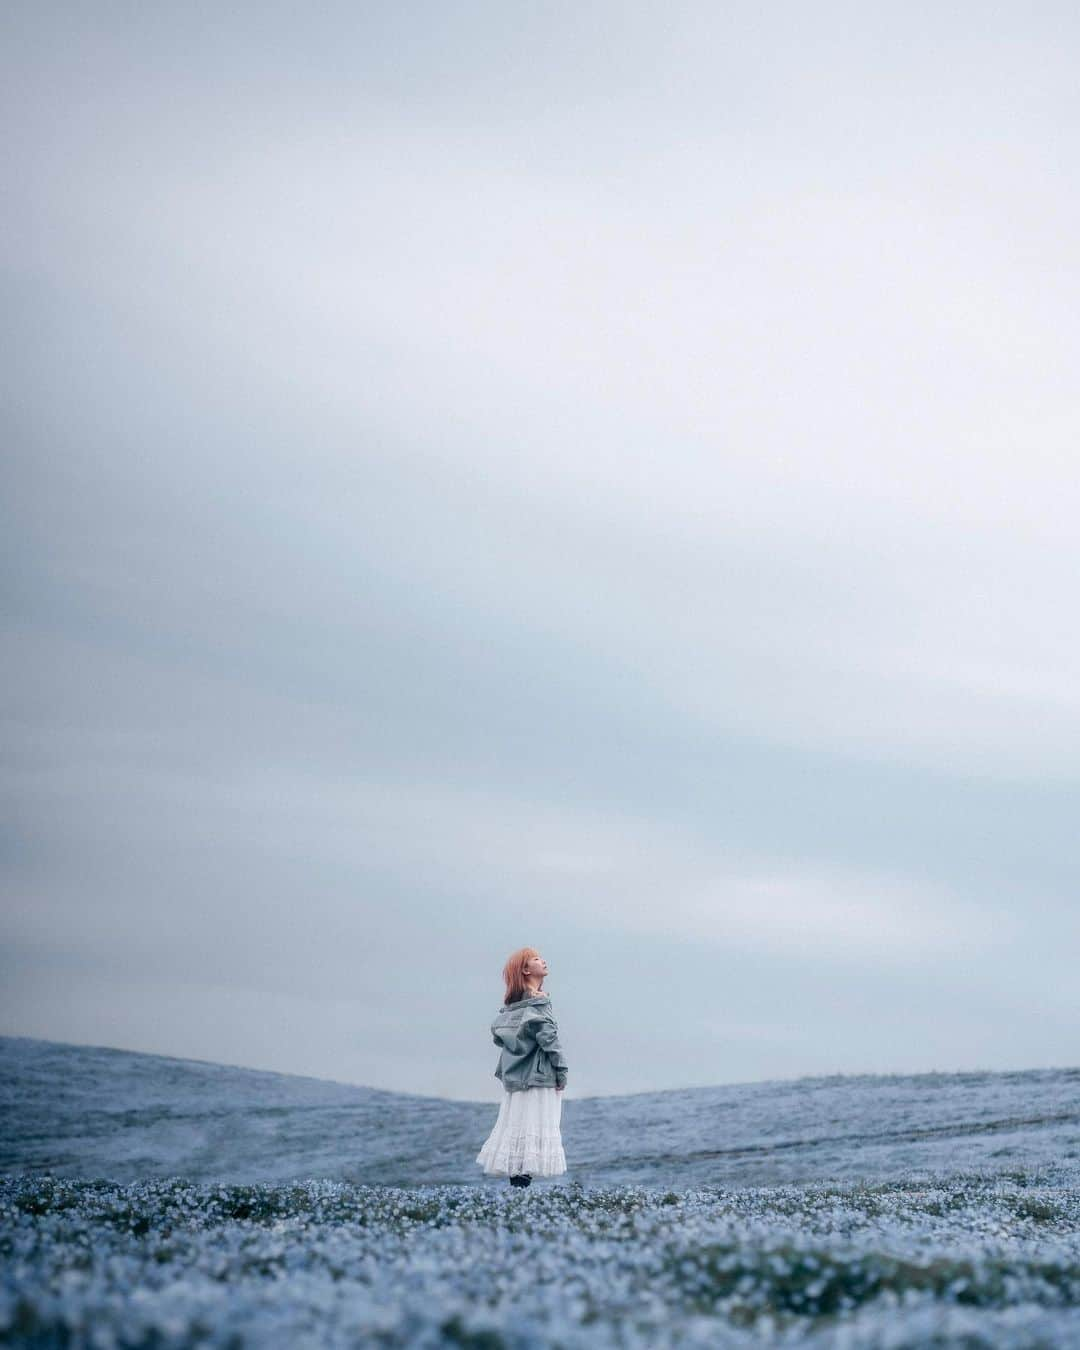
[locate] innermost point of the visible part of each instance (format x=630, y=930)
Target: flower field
x=971, y=1261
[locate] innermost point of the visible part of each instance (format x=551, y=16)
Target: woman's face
x=536, y=968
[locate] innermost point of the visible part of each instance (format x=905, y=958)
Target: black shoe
x=521, y=1179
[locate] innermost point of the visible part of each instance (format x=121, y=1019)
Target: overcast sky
x=595, y=476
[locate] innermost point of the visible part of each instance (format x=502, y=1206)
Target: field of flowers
x=977, y=1260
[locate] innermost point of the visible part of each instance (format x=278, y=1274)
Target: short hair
x=514, y=973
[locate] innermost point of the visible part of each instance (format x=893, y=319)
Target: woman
x=527, y=1139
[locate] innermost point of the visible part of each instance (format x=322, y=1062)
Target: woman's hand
x=560, y=1089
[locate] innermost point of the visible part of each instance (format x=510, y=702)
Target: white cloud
x=452, y=460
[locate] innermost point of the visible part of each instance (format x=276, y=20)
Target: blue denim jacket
x=528, y=1038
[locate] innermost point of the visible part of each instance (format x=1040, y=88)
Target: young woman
x=527, y=1139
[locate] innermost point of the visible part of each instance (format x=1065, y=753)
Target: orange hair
x=514, y=973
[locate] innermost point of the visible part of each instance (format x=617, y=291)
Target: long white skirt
x=527, y=1137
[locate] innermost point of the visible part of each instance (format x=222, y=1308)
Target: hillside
x=80, y=1111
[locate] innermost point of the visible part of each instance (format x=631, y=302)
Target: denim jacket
x=528, y=1038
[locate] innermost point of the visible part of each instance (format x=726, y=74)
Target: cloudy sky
x=596, y=476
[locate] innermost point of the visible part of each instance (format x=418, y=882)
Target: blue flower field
x=934, y=1255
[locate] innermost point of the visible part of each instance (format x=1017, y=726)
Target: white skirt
x=527, y=1136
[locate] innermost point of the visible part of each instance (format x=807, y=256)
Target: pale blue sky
x=595, y=476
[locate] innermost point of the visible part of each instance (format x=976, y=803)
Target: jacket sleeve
x=547, y=1037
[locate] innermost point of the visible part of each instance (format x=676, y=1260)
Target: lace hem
x=507, y=1163
x=523, y=1151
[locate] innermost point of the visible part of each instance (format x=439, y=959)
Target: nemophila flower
x=330, y=1264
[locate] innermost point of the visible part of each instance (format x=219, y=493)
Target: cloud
x=590, y=466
